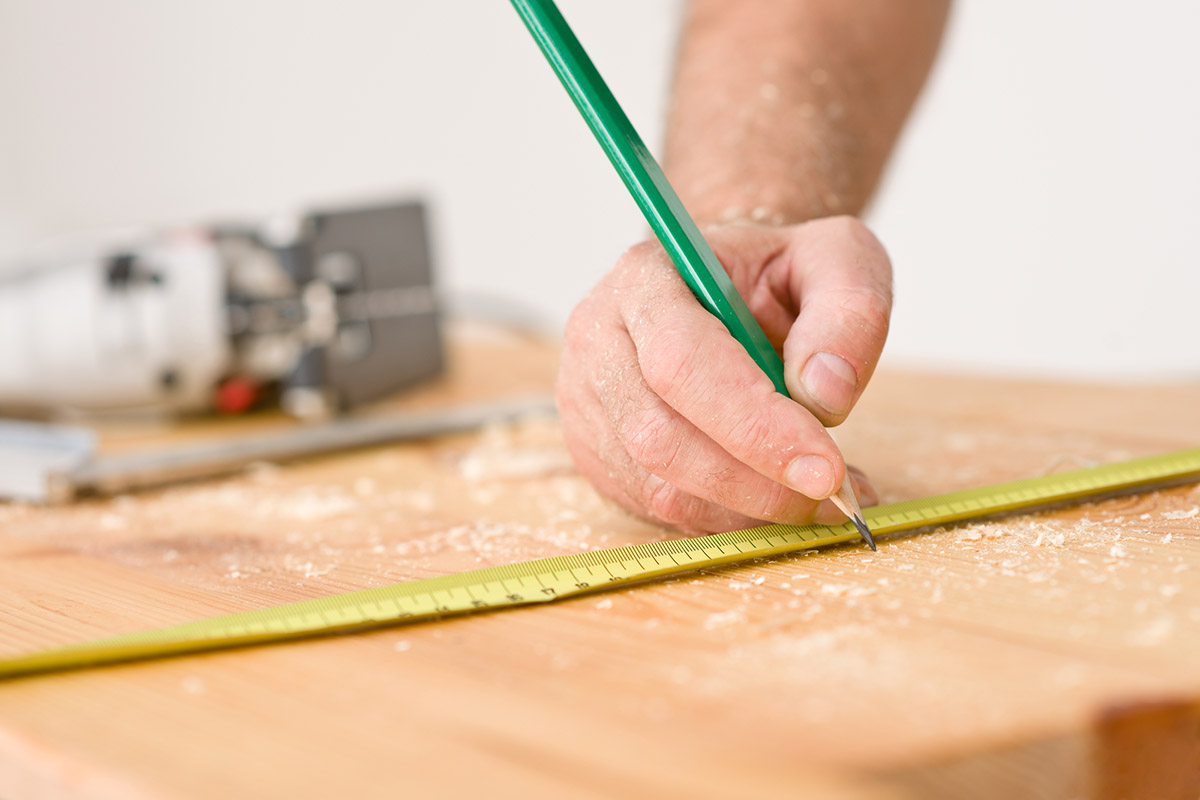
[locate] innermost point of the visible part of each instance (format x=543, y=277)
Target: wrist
x=766, y=187
x=765, y=214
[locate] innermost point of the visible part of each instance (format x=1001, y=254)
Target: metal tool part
x=32, y=454
x=320, y=311
x=55, y=464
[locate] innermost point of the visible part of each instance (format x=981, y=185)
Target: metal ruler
x=549, y=579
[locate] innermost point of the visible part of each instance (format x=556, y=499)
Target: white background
x=1043, y=210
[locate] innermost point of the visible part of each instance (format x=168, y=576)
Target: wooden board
x=1054, y=655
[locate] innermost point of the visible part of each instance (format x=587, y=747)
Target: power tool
x=316, y=311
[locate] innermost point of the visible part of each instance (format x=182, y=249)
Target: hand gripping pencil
x=668, y=218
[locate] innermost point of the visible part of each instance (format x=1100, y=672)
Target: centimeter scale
x=550, y=579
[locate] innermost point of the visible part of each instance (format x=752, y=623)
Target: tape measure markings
x=556, y=577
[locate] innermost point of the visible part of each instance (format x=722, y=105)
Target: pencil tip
x=864, y=531
x=845, y=500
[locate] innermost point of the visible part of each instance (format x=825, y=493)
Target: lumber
x=1046, y=655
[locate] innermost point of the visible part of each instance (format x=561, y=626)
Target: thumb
x=841, y=280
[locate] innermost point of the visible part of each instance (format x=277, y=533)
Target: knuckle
x=752, y=435
x=852, y=229
x=667, y=357
x=589, y=314
x=577, y=367
x=650, y=439
x=666, y=503
x=634, y=267
x=870, y=310
x=870, y=252
x=576, y=322
x=634, y=256
x=579, y=332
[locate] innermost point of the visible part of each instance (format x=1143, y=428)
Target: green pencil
x=668, y=218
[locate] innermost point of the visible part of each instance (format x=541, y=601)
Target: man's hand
x=666, y=413
x=781, y=112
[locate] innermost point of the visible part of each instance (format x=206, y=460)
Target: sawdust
x=1188, y=514
x=846, y=590
x=507, y=452
x=489, y=539
x=724, y=619
x=780, y=624
x=320, y=528
x=510, y=495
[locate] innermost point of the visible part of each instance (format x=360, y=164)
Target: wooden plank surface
x=1053, y=655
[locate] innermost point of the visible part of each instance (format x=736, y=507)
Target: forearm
x=786, y=110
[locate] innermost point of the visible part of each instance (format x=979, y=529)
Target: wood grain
x=999, y=659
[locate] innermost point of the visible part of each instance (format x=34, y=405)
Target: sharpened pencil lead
x=845, y=500
x=861, y=524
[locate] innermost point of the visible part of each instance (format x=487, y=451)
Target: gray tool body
x=324, y=311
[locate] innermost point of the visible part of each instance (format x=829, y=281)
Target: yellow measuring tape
x=549, y=579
